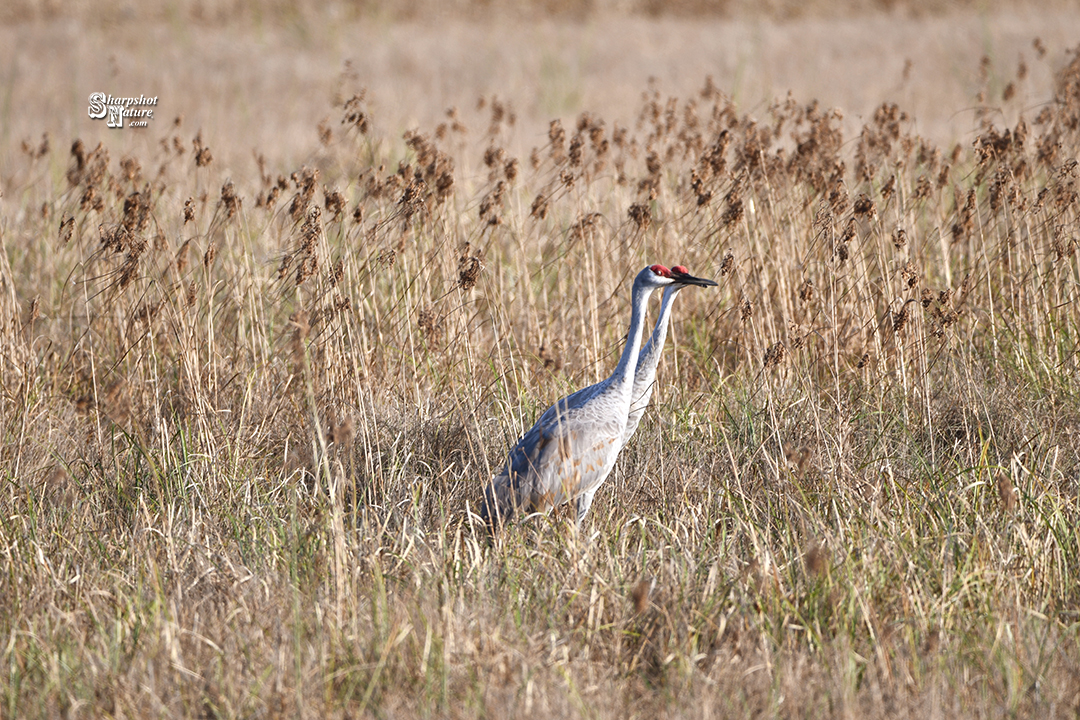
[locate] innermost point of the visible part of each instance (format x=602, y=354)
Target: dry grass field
x=257, y=358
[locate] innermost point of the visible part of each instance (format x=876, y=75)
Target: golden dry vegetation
x=251, y=387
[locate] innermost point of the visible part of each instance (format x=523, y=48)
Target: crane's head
x=658, y=276
x=682, y=278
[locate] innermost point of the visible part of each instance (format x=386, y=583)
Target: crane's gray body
x=572, y=448
x=566, y=455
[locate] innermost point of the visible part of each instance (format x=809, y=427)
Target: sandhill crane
x=649, y=357
x=572, y=448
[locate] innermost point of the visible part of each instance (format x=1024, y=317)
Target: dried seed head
x=585, y=227
x=131, y=169
x=909, y=274
x=128, y=271
x=182, y=257
x=639, y=596
x=806, y=290
x=78, y=154
x=337, y=273
x=91, y=200
x=209, y=255
x=342, y=432
x=932, y=642
x=557, y=138
x=301, y=329
x=203, y=157
x=539, y=207
x=229, y=199
x=923, y=188
x=775, y=355
x=727, y=265
x=747, y=311
x=576, y=143
x=34, y=311
x=733, y=213
x=283, y=268
x=798, y=339
x=1006, y=493
x=112, y=238
x=469, y=268
x=641, y=214
x=551, y=357
x=816, y=559
x=900, y=319
x=334, y=202
x=841, y=253
x=67, y=227
x=305, y=182
x=492, y=203
x=888, y=188
x=864, y=206
x=354, y=113
x=430, y=324
x=899, y=238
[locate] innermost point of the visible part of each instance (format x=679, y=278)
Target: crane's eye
x=661, y=270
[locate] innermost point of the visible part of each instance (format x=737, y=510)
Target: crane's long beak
x=688, y=279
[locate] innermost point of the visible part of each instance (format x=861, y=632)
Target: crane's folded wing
x=562, y=456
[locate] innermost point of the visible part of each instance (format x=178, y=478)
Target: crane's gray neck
x=659, y=332
x=639, y=299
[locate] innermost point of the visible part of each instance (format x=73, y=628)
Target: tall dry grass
x=245, y=418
